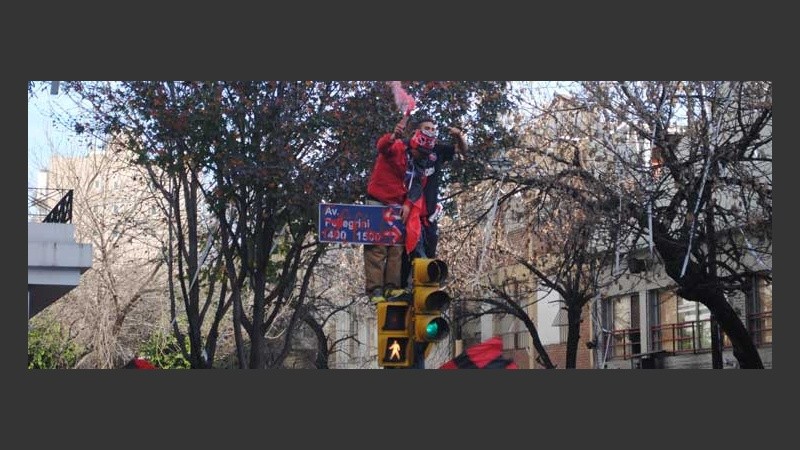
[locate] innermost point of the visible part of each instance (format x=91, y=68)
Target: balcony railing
x=686, y=337
x=695, y=337
x=50, y=205
x=682, y=337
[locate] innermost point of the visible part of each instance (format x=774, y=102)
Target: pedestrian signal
x=394, y=335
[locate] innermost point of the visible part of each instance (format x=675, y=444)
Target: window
x=678, y=325
x=509, y=325
x=512, y=287
x=561, y=320
x=507, y=331
x=635, y=336
x=696, y=334
x=759, y=311
x=621, y=318
x=563, y=327
x=653, y=318
x=514, y=218
x=353, y=334
x=523, y=340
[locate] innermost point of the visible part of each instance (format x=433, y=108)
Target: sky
x=45, y=137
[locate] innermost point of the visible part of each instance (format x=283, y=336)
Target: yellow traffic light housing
x=429, y=299
x=430, y=328
x=395, y=348
x=429, y=271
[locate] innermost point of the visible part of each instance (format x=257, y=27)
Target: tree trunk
x=743, y=348
x=696, y=286
x=321, y=361
x=573, y=336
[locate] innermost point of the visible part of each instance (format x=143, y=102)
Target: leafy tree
x=259, y=157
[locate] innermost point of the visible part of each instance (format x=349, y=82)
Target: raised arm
x=386, y=141
x=460, y=142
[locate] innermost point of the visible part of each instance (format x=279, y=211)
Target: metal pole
x=419, y=355
x=716, y=345
x=459, y=343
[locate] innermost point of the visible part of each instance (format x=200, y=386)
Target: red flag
x=486, y=355
x=413, y=224
x=140, y=363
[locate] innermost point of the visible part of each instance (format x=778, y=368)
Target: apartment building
x=637, y=319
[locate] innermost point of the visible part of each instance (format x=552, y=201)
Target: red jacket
x=386, y=182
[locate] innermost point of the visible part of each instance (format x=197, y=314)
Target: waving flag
x=486, y=355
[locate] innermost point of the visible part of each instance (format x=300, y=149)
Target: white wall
x=547, y=309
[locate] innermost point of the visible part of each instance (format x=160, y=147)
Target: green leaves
x=163, y=351
x=50, y=348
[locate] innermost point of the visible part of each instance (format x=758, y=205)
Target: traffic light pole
x=459, y=344
x=419, y=355
x=407, y=327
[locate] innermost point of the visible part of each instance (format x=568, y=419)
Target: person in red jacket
x=390, y=183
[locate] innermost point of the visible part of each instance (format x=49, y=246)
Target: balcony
x=55, y=260
x=685, y=337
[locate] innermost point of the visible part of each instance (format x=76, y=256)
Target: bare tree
x=114, y=211
x=706, y=198
x=552, y=223
x=687, y=167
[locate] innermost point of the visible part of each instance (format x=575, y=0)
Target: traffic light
x=395, y=348
x=429, y=299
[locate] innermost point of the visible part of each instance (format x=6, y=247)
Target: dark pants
x=429, y=240
x=430, y=234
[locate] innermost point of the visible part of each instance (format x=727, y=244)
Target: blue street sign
x=360, y=224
